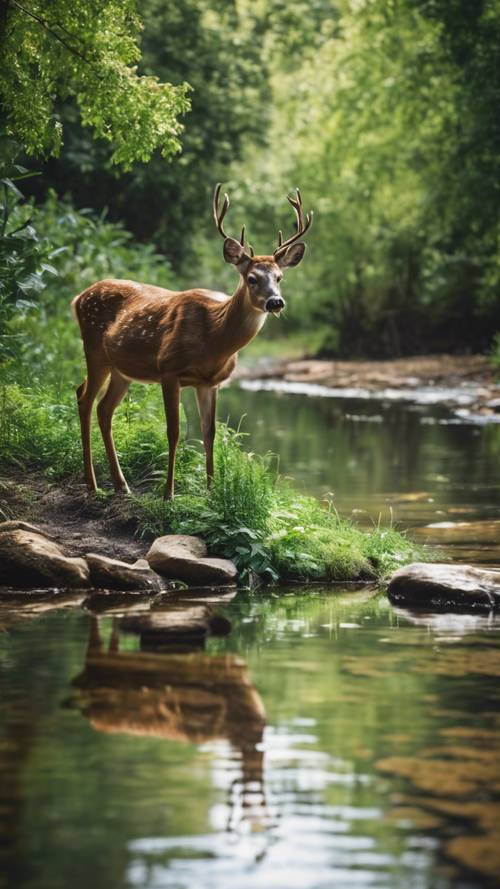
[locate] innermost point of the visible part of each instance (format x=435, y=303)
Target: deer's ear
x=292, y=256
x=235, y=253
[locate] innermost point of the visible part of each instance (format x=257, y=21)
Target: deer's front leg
x=207, y=402
x=171, y=397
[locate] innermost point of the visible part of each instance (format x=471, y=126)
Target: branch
x=53, y=33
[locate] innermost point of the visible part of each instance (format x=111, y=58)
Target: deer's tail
x=75, y=306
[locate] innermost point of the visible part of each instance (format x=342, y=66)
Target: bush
x=24, y=254
x=84, y=248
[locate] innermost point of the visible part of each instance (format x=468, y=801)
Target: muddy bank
x=74, y=519
x=467, y=383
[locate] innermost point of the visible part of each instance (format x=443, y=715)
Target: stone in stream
x=118, y=602
x=444, y=586
x=162, y=627
x=28, y=557
x=181, y=557
x=117, y=575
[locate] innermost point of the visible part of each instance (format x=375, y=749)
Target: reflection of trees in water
x=17, y=741
x=28, y=679
x=190, y=697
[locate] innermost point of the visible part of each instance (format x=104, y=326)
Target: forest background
x=385, y=112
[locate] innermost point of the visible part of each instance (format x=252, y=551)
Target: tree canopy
x=384, y=112
x=85, y=50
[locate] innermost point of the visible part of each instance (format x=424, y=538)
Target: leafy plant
x=87, y=51
x=24, y=255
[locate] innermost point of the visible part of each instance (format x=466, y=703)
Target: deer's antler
x=303, y=225
x=220, y=212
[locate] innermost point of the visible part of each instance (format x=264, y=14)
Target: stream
x=327, y=740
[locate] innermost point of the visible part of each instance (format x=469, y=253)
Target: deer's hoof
x=123, y=489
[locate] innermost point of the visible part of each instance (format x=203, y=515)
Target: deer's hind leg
x=207, y=404
x=115, y=392
x=86, y=395
x=171, y=397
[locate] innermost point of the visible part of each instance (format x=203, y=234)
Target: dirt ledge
x=77, y=521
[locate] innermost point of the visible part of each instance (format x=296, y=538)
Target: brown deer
x=135, y=331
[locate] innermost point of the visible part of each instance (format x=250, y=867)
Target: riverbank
x=466, y=383
x=251, y=515
x=73, y=519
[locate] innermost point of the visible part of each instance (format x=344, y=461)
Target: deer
x=144, y=333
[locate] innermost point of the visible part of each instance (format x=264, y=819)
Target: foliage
x=384, y=113
x=82, y=248
x=24, y=255
x=90, y=247
x=219, y=51
x=393, y=136
x=86, y=50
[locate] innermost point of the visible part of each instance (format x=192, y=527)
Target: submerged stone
x=118, y=575
x=159, y=627
x=182, y=557
x=445, y=586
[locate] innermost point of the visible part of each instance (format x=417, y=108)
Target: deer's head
x=261, y=275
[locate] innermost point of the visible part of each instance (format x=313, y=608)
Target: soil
x=79, y=522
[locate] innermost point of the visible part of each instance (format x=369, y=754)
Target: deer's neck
x=239, y=320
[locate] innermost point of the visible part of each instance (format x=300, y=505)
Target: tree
x=84, y=50
x=219, y=50
x=391, y=129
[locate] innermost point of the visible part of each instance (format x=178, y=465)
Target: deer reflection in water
x=192, y=697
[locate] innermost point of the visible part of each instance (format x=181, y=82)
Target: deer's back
x=145, y=331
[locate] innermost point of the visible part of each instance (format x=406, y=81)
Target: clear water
x=327, y=741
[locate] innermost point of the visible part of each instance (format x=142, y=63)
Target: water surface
x=329, y=740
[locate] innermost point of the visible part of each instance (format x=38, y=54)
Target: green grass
x=250, y=515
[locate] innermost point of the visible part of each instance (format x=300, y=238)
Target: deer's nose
x=275, y=304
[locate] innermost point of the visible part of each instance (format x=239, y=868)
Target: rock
x=199, y=595
x=180, y=557
x=29, y=558
x=118, y=602
x=186, y=624
x=445, y=586
x=17, y=525
x=117, y=575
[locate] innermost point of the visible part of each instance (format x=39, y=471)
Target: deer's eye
x=251, y=279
